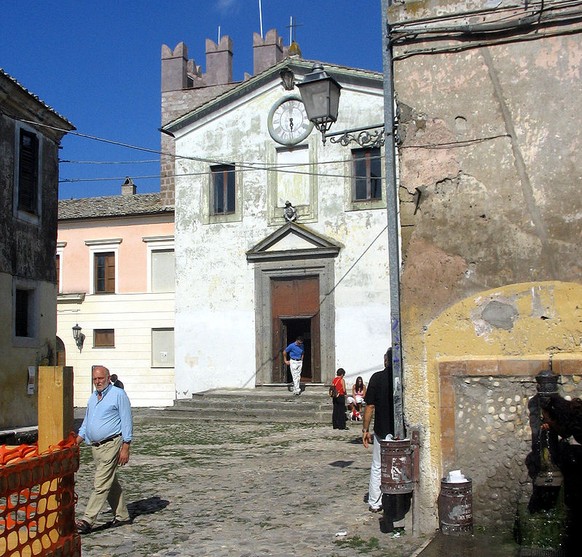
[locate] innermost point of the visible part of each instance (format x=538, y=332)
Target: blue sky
x=98, y=64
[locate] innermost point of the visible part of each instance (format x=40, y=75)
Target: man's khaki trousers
x=106, y=486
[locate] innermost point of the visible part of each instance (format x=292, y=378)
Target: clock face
x=288, y=122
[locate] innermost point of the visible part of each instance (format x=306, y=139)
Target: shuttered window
x=163, y=270
x=104, y=338
x=58, y=268
x=28, y=173
x=105, y=273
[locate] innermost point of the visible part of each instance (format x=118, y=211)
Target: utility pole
x=393, y=230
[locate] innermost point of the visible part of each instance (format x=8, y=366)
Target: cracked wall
x=489, y=181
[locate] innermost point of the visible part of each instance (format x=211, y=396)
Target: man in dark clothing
x=380, y=404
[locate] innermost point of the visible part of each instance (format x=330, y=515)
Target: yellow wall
x=17, y=408
x=548, y=321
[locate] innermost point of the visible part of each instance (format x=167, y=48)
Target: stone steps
x=272, y=404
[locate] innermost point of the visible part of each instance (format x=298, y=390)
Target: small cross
x=292, y=27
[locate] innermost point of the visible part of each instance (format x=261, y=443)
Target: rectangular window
x=28, y=172
x=223, y=189
x=162, y=347
x=104, y=338
x=22, y=313
x=104, y=273
x=367, y=172
x=163, y=270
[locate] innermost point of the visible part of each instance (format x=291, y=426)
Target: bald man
x=108, y=428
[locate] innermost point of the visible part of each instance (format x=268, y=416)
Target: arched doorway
x=61, y=359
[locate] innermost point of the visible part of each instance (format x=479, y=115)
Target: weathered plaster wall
x=17, y=407
x=215, y=310
x=515, y=324
x=27, y=248
x=491, y=214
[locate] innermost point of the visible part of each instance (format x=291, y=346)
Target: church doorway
x=290, y=330
x=294, y=295
x=295, y=312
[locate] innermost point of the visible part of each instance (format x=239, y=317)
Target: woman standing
x=339, y=401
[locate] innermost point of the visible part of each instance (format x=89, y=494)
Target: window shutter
x=28, y=172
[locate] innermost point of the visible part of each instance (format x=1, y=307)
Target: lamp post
x=79, y=337
x=320, y=94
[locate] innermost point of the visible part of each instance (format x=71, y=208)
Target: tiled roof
x=7, y=76
x=112, y=206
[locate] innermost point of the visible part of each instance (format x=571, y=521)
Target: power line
x=109, y=162
x=284, y=167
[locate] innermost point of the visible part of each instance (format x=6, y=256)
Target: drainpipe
x=393, y=222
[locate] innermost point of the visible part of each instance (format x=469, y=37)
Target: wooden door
x=295, y=310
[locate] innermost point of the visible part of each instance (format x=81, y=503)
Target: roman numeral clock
x=287, y=121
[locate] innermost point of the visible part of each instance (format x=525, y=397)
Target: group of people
x=107, y=428
x=354, y=402
x=364, y=404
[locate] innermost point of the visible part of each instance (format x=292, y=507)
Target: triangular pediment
x=293, y=241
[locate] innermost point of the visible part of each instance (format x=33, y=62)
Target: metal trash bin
x=455, y=506
x=397, y=467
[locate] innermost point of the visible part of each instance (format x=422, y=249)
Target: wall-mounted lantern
x=79, y=337
x=287, y=79
x=320, y=93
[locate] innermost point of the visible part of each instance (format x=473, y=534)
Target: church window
x=367, y=174
x=223, y=189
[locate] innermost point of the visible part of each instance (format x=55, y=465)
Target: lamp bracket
x=370, y=136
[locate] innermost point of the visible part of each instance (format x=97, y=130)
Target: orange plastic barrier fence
x=37, y=501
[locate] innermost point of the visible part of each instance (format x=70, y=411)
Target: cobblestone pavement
x=242, y=490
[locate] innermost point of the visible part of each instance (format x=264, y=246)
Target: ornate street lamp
x=79, y=337
x=320, y=94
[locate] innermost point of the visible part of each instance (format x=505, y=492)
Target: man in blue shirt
x=293, y=356
x=108, y=428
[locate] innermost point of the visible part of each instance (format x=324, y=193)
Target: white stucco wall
x=215, y=293
x=132, y=316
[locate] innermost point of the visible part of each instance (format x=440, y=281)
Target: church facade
x=277, y=234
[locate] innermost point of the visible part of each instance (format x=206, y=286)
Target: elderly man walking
x=108, y=428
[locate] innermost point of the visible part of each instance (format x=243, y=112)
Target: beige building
x=29, y=175
x=115, y=257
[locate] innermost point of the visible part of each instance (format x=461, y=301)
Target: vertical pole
x=393, y=229
x=55, y=422
x=55, y=405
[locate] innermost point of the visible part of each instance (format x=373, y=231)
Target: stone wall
x=493, y=438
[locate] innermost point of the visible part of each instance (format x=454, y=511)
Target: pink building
x=115, y=261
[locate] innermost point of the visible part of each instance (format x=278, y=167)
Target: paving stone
x=242, y=490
